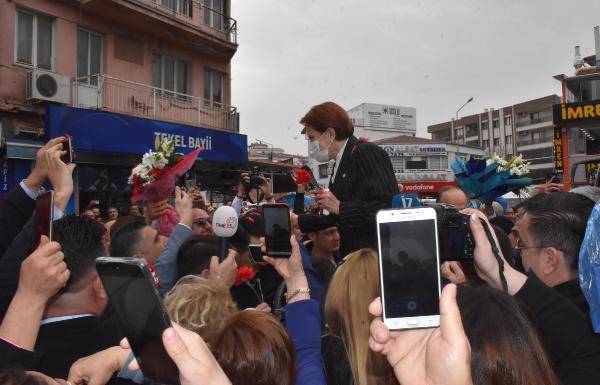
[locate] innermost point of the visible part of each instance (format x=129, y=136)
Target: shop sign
x=423, y=187
x=6, y=178
x=558, y=150
x=576, y=112
x=108, y=132
x=403, y=149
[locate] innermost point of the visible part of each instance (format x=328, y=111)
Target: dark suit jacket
x=60, y=344
x=364, y=184
x=15, y=211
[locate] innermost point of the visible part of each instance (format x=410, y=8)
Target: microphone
x=225, y=225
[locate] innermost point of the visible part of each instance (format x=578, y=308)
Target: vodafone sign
x=423, y=187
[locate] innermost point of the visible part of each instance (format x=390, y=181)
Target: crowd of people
x=313, y=318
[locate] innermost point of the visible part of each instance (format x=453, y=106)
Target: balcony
x=172, y=21
x=102, y=92
x=533, y=124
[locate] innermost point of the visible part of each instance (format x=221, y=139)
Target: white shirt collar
x=63, y=318
x=338, y=159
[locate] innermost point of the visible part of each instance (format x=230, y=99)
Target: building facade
x=577, y=120
x=382, y=121
x=422, y=165
x=117, y=73
x=524, y=128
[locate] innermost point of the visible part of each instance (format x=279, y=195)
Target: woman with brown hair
x=346, y=353
x=253, y=347
x=362, y=181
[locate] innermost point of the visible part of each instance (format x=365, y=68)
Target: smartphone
x=141, y=313
x=409, y=268
x=44, y=216
x=277, y=230
x=256, y=253
x=68, y=147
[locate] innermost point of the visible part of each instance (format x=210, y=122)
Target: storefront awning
x=96, y=131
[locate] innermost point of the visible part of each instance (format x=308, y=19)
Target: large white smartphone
x=409, y=268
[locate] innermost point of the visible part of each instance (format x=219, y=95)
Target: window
x=485, y=143
x=472, y=130
x=441, y=135
x=496, y=123
x=170, y=74
x=416, y=164
x=485, y=125
x=213, y=87
x=508, y=140
x=178, y=6
x=213, y=13
x=34, y=40
x=508, y=120
x=89, y=56
x=497, y=142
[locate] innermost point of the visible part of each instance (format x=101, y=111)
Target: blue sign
x=404, y=201
x=108, y=132
x=7, y=177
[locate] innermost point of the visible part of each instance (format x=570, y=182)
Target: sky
x=431, y=54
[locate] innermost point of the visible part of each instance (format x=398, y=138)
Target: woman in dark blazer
x=362, y=181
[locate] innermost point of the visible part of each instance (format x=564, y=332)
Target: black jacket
x=15, y=211
x=566, y=333
x=364, y=184
x=60, y=344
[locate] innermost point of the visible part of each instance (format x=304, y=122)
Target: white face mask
x=315, y=152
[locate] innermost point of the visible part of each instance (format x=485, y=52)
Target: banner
x=108, y=132
x=558, y=151
x=576, y=112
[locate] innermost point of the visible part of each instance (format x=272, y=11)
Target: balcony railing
x=222, y=23
x=102, y=92
x=543, y=139
x=184, y=10
x=529, y=122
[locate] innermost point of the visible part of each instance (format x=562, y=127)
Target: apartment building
x=116, y=74
x=524, y=128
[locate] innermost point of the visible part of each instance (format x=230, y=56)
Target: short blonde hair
x=199, y=304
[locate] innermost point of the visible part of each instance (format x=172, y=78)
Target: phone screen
x=409, y=268
x=142, y=317
x=43, y=216
x=277, y=230
x=256, y=253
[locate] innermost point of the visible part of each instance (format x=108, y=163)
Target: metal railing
x=529, y=122
x=218, y=21
x=543, y=139
x=102, y=92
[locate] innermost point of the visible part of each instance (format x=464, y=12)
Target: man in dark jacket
x=71, y=328
x=19, y=203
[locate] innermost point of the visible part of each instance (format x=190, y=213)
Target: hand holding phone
x=409, y=267
x=277, y=230
x=141, y=313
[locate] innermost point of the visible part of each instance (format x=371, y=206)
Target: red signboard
x=425, y=187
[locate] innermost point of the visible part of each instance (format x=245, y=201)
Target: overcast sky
x=432, y=55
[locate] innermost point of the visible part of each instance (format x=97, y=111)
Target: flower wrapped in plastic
x=589, y=266
x=486, y=180
x=154, y=179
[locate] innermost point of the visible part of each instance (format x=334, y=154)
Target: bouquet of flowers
x=153, y=180
x=485, y=180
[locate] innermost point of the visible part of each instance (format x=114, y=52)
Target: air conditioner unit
x=47, y=86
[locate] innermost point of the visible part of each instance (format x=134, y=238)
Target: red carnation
x=244, y=274
x=302, y=176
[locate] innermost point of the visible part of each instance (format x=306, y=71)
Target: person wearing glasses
x=202, y=223
x=548, y=240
